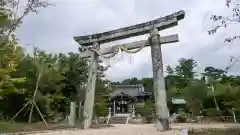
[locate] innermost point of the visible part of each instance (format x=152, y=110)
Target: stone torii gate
x=153, y=27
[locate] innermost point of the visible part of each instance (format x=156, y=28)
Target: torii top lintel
x=134, y=30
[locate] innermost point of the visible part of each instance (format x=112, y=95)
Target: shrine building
x=123, y=100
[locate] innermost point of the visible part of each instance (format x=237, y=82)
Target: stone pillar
x=158, y=82
x=90, y=90
x=72, y=114
x=79, y=110
x=133, y=110
x=114, y=107
x=109, y=111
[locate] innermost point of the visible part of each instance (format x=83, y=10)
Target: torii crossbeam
x=135, y=30
x=153, y=27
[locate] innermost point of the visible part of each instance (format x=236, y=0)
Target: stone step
x=134, y=121
x=118, y=120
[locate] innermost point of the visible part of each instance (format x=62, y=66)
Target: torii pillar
x=90, y=90
x=159, y=82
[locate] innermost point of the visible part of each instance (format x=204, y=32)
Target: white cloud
x=53, y=30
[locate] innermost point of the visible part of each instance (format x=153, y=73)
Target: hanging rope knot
x=95, y=48
x=85, y=115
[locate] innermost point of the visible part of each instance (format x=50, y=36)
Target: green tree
x=194, y=95
x=213, y=73
x=147, y=84
x=185, y=72
x=132, y=81
x=186, y=67
x=75, y=70
x=10, y=52
x=172, y=78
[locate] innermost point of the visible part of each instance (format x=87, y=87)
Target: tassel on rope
x=130, y=59
x=121, y=51
x=109, y=62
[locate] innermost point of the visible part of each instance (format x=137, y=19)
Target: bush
x=182, y=116
x=147, y=110
x=149, y=119
x=211, y=112
x=101, y=109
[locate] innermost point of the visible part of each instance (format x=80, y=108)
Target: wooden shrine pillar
x=90, y=90
x=158, y=82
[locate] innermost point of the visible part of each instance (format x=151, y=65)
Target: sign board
x=178, y=101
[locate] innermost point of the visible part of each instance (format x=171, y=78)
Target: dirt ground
x=141, y=129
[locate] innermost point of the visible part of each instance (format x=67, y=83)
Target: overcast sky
x=53, y=29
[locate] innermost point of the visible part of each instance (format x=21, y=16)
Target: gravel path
x=143, y=129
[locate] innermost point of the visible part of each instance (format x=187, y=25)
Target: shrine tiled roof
x=130, y=90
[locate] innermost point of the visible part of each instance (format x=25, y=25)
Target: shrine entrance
x=91, y=49
x=121, y=104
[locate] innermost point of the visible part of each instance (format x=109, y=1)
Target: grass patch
x=227, y=131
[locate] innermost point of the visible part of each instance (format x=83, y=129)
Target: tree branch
x=233, y=61
x=225, y=21
x=32, y=6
